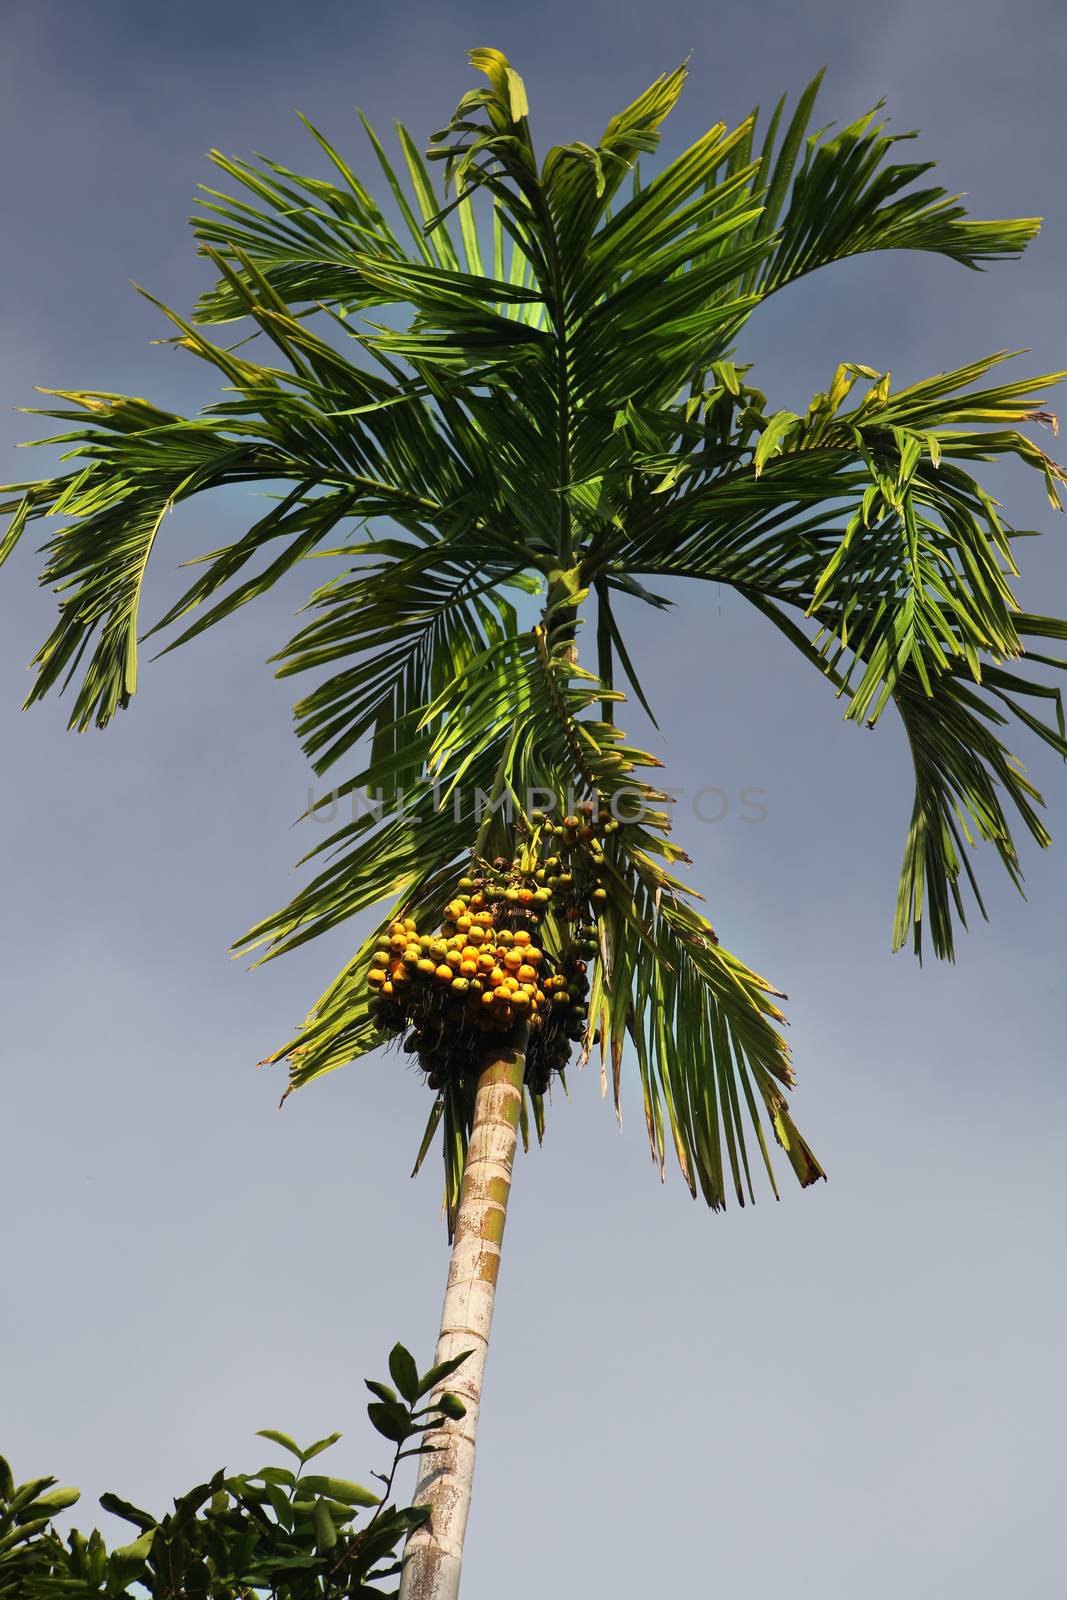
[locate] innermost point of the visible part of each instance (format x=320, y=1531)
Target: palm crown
x=548, y=402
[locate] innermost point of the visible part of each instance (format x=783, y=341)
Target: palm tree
x=548, y=405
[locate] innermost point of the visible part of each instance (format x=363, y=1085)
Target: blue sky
x=855, y=1391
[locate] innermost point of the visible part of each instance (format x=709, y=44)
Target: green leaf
x=319, y=1446
x=391, y=1421
x=404, y=1372
x=325, y=1531
x=284, y=1439
x=129, y=1513
x=57, y=1500
x=350, y=1494
x=128, y=1559
x=437, y=1374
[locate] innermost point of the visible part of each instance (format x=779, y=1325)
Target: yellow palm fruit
x=448, y=928
x=521, y=937
x=459, y=985
x=463, y=924
x=426, y=941
x=379, y=958
x=412, y=953
x=427, y=966
x=525, y=973
x=505, y=936
x=484, y=919
x=410, y=924
x=454, y=958
x=376, y=977
x=488, y=997
x=496, y=977
x=486, y=961
x=468, y=968
x=533, y=955
x=521, y=1001
x=444, y=973
x=470, y=952
x=513, y=959
x=387, y=987
x=540, y=997
x=438, y=949
x=398, y=941
x=475, y=934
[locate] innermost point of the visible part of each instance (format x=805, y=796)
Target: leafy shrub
x=283, y=1531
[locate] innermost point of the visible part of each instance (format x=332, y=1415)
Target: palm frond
x=848, y=196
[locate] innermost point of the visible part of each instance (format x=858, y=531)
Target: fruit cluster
x=486, y=971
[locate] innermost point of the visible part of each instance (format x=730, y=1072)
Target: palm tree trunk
x=434, y=1552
